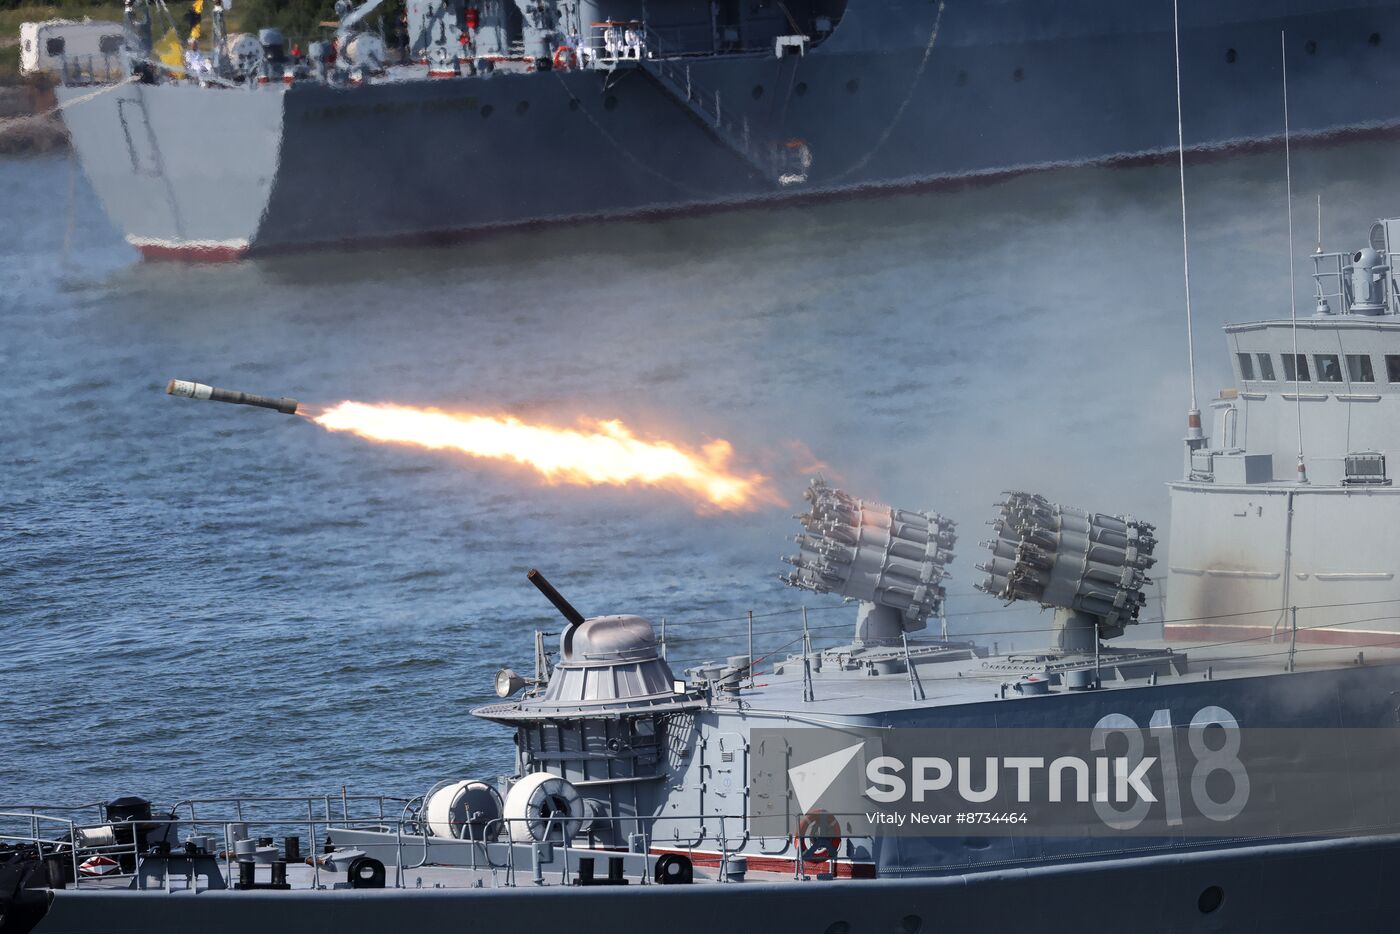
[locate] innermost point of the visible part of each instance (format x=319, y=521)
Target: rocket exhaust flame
x=595, y=453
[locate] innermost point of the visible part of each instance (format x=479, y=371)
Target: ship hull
x=1333, y=885
x=923, y=883
x=912, y=95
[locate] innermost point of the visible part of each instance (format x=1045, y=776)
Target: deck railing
x=493, y=847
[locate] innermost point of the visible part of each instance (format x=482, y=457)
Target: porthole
x=838, y=927
x=911, y=924
x=1231, y=55
x=610, y=102
x=521, y=108
x=1018, y=75
x=962, y=79
x=757, y=92
x=574, y=104
x=852, y=86
x=1212, y=898
x=1374, y=38
x=1310, y=46
x=801, y=89
x=487, y=110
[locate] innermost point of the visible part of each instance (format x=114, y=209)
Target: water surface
x=199, y=599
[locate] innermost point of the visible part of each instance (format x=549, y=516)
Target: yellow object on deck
x=169, y=53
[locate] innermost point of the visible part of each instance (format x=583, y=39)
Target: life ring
x=818, y=836
x=565, y=58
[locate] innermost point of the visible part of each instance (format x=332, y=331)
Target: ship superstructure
x=1286, y=516
x=497, y=114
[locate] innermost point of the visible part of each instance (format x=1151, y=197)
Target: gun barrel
x=565, y=608
x=191, y=390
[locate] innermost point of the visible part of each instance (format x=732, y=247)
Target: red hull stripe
x=192, y=253
x=845, y=869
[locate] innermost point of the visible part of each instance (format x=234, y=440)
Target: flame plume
x=595, y=453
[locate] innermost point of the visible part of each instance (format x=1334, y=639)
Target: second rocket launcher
x=182, y=387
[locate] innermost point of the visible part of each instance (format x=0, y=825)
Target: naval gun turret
x=593, y=740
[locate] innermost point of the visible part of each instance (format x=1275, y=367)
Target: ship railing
x=606, y=45
x=246, y=812
x=506, y=848
x=494, y=848
x=674, y=72
x=70, y=842
x=496, y=839
x=241, y=805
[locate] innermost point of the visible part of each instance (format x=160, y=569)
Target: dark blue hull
x=901, y=94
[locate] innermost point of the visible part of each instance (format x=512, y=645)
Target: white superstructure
x=93, y=47
x=1289, y=502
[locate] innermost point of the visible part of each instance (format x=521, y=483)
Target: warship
x=486, y=114
x=646, y=796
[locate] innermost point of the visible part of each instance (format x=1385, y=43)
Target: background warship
x=547, y=111
x=635, y=797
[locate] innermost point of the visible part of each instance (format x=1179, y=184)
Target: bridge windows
x=1329, y=368
x=1246, y=365
x=1266, y=367
x=1359, y=368
x=1295, y=368
x=1392, y=367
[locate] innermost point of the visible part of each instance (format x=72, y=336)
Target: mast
x=1195, y=437
x=1293, y=285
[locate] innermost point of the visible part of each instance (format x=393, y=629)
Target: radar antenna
x=892, y=560
x=1090, y=566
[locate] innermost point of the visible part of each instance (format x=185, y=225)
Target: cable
x=1181, y=168
x=1292, y=285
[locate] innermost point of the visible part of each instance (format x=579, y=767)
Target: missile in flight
x=190, y=390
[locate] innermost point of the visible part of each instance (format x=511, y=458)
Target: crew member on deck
x=575, y=41
x=611, y=40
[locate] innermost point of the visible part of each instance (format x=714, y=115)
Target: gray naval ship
x=499, y=113
x=646, y=798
